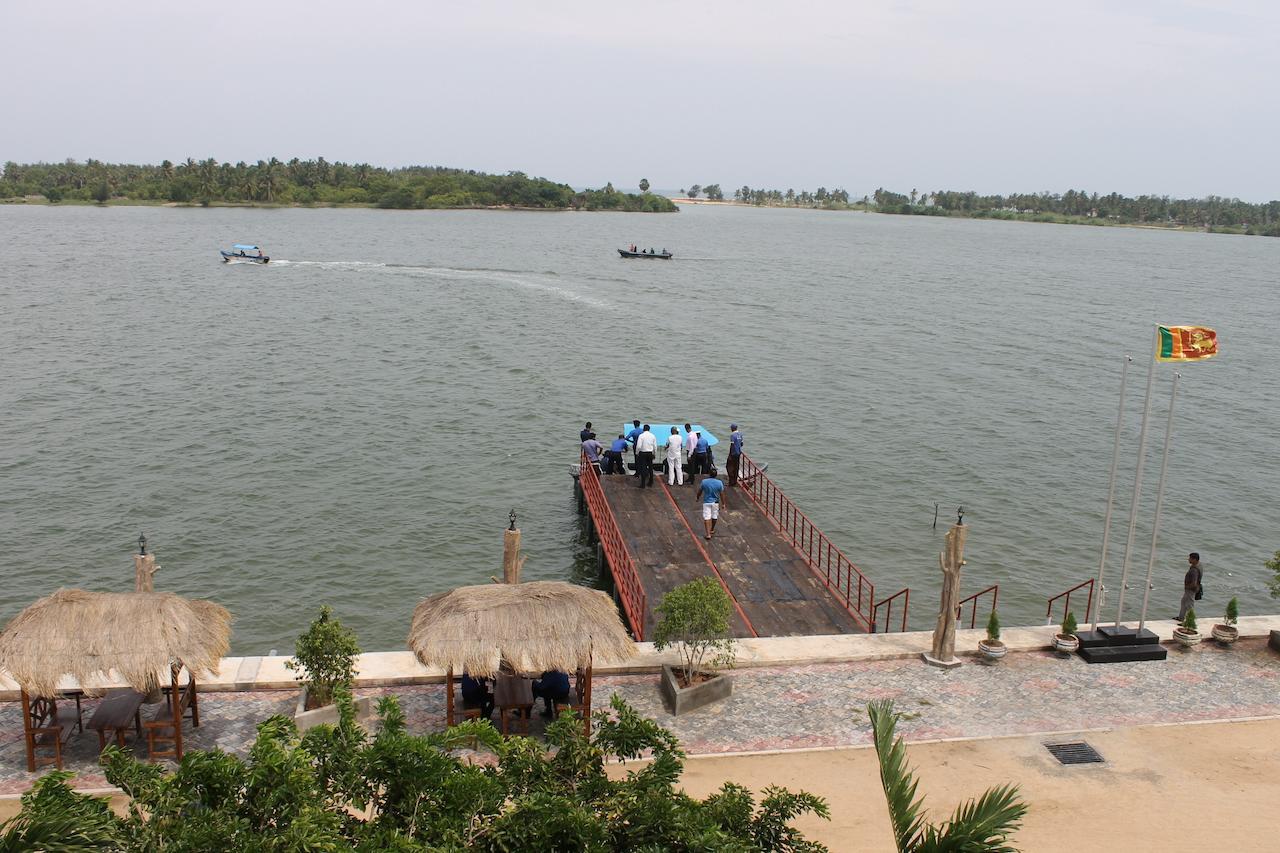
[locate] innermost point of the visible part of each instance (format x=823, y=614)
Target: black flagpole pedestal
x=1120, y=644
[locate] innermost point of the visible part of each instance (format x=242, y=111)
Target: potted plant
x=1187, y=633
x=324, y=658
x=1227, y=633
x=992, y=648
x=694, y=618
x=1067, y=642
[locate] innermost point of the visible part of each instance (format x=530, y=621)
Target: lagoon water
x=352, y=423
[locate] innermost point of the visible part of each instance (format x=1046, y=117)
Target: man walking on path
x=646, y=448
x=710, y=493
x=735, y=454
x=1191, y=584
x=613, y=456
x=631, y=437
x=675, y=473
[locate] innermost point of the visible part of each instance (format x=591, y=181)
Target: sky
x=1170, y=97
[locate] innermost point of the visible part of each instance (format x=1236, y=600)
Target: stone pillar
x=144, y=570
x=950, y=561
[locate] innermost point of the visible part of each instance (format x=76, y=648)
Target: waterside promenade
x=795, y=694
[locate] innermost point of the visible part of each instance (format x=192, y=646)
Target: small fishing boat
x=243, y=253
x=627, y=253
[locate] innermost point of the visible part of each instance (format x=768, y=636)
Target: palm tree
x=978, y=825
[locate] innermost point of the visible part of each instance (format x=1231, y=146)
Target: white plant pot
x=992, y=650
x=1187, y=638
x=1066, y=643
x=1226, y=634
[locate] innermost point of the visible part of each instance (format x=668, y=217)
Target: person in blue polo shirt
x=710, y=495
x=631, y=437
x=613, y=456
x=735, y=454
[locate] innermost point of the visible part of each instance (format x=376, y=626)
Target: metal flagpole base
x=943, y=664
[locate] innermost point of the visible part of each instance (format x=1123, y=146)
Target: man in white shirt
x=646, y=449
x=675, y=470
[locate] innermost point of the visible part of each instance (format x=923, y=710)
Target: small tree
x=325, y=657
x=644, y=185
x=694, y=190
x=694, y=617
x=1233, y=613
x=1068, y=624
x=993, y=628
x=1189, y=622
x=1273, y=566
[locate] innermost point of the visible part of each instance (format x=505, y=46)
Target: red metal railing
x=625, y=577
x=1066, y=604
x=972, y=600
x=832, y=567
x=888, y=612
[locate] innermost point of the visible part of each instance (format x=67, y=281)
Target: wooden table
x=118, y=710
x=513, y=692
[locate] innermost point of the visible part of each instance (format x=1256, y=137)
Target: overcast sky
x=1171, y=97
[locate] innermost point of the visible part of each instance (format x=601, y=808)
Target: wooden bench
x=119, y=710
x=579, y=701
x=48, y=726
x=165, y=726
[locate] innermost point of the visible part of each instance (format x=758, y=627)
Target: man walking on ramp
x=710, y=494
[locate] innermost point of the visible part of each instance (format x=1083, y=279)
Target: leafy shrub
x=694, y=617
x=1189, y=621
x=993, y=627
x=325, y=656
x=1069, y=623
x=1233, y=612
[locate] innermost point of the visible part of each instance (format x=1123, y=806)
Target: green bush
x=325, y=658
x=1069, y=623
x=1189, y=621
x=1233, y=612
x=694, y=617
x=993, y=627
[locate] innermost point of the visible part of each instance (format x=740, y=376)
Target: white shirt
x=646, y=442
x=674, y=442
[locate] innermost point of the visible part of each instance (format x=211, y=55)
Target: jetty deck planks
x=771, y=583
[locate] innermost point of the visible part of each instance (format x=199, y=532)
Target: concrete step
x=1122, y=636
x=1124, y=654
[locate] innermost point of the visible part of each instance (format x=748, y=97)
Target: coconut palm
x=977, y=825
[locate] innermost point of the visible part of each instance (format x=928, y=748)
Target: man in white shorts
x=710, y=495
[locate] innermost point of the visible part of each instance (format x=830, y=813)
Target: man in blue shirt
x=613, y=456
x=710, y=495
x=698, y=457
x=631, y=437
x=735, y=454
x=586, y=432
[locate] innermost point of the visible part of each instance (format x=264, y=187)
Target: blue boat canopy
x=663, y=431
x=244, y=246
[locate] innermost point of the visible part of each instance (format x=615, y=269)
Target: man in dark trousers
x=613, y=459
x=646, y=449
x=631, y=437
x=735, y=454
x=586, y=432
x=1190, y=584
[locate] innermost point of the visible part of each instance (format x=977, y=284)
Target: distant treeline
x=307, y=182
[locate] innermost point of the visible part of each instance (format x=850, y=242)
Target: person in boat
x=242, y=253
x=260, y=252
x=664, y=250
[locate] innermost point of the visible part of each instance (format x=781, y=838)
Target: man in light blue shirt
x=632, y=437
x=710, y=495
x=592, y=448
x=613, y=456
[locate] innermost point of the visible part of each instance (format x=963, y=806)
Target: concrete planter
x=682, y=700
x=1226, y=634
x=992, y=650
x=1067, y=644
x=327, y=714
x=1185, y=638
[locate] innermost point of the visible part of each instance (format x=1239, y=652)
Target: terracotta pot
x=1186, y=638
x=1066, y=643
x=992, y=649
x=1226, y=634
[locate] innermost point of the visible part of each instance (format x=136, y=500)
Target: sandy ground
x=1161, y=788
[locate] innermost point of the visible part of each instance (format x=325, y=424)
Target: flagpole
x=1155, y=527
x=1137, y=479
x=1111, y=491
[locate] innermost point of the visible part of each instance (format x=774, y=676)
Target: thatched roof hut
x=104, y=637
x=536, y=626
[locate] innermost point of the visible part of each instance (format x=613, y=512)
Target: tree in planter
x=694, y=617
x=1189, y=622
x=984, y=824
x=1069, y=625
x=1273, y=566
x=1232, y=616
x=993, y=628
x=325, y=658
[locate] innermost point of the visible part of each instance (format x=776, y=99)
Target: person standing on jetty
x=631, y=437
x=586, y=432
x=613, y=458
x=710, y=494
x=646, y=448
x=689, y=442
x=735, y=454
x=593, y=449
x=698, y=461
x=675, y=471
x=1191, y=584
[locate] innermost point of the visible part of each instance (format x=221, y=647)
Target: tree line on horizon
x=307, y=182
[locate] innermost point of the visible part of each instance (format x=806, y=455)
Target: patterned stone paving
x=804, y=707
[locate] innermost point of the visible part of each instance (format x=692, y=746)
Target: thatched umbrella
x=529, y=627
x=142, y=639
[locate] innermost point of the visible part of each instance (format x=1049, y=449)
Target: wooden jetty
x=785, y=576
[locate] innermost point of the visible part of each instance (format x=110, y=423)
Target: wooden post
x=144, y=570
x=950, y=561
x=512, y=562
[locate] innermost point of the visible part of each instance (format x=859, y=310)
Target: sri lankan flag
x=1186, y=343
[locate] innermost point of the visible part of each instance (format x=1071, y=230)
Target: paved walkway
x=823, y=705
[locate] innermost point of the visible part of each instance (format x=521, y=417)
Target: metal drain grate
x=1076, y=752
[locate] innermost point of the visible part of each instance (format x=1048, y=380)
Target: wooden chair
x=165, y=726
x=579, y=701
x=47, y=726
x=457, y=706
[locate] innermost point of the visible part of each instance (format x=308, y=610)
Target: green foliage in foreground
x=324, y=657
x=306, y=182
x=336, y=789
x=982, y=825
x=1273, y=583
x=694, y=617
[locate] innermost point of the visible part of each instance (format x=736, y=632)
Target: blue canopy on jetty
x=244, y=246
x=663, y=431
